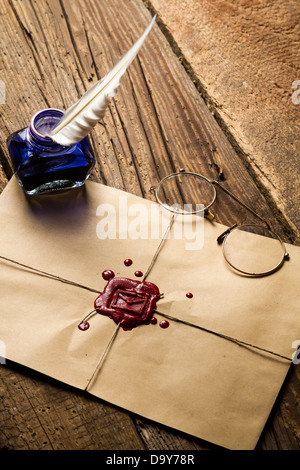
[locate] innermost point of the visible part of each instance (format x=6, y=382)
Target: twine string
x=49, y=275
x=170, y=317
x=154, y=257
x=101, y=360
x=221, y=335
x=88, y=316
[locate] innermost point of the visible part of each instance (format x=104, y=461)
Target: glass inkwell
x=42, y=165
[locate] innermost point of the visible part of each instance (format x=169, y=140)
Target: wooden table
x=51, y=52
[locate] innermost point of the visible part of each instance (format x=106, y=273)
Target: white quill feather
x=82, y=116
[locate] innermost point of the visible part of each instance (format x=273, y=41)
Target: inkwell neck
x=42, y=123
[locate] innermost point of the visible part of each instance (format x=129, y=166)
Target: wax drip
x=138, y=274
x=84, y=325
x=108, y=274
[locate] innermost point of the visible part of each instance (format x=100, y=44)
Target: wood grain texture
x=38, y=413
x=51, y=52
x=245, y=57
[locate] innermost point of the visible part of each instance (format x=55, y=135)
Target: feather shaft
x=82, y=116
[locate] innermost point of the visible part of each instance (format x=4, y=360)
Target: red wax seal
x=128, y=302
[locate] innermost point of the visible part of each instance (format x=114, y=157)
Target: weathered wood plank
x=38, y=413
x=157, y=123
x=244, y=57
x=282, y=431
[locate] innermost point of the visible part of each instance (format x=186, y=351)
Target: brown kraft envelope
x=184, y=376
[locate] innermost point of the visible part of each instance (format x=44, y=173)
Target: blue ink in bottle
x=40, y=164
